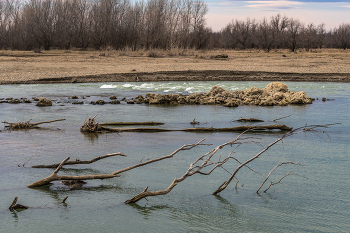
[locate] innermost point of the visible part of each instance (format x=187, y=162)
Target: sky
x=330, y=12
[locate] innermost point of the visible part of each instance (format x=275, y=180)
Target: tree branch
x=77, y=161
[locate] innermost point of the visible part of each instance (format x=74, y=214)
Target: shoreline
x=59, y=66
x=190, y=75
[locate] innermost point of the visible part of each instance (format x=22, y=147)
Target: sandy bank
x=95, y=66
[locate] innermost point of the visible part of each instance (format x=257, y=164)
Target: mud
x=192, y=75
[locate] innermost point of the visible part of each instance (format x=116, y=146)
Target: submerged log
x=205, y=129
x=27, y=124
x=249, y=120
x=133, y=123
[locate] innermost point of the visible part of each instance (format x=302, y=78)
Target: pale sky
x=330, y=12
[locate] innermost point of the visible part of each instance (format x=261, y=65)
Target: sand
x=59, y=66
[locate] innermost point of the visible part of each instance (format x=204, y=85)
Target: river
x=315, y=199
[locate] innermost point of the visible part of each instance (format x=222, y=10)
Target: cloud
x=274, y=4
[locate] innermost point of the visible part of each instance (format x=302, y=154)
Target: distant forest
x=150, y=24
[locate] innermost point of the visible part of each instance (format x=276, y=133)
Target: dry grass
x=27, y=65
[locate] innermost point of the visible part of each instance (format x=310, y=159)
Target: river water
x=314, y=200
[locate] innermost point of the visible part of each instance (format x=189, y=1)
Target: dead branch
x=288, y=174
x=146, y=193
x=268, y=176
x=64, y=200
x=91, y=126
x=15, y=206
x=27, y=124
x=184, y=147
x=194, y=122
x=193, y=169
x=281, y=118
x=54, y=175
x=77, y=161
x=290, y=133
x=206, y=160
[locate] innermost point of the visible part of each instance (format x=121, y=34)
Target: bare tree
x=266, y=35
x=242, y=32
x=342, y=36
x=309, y=37
x=279, y=25
x=321, y=34
x=40, y=17
x=292, y=39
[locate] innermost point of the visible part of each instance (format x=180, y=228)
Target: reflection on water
x=91, y=136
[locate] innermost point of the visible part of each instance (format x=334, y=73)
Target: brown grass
x=19, y=66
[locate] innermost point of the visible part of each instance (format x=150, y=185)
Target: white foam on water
x=108, y=86
x=128, y=85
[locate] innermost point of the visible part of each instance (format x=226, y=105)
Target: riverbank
x=58, y=66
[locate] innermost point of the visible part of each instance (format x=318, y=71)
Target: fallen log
x=27, y=124
x=133, y=123
x=203, y=129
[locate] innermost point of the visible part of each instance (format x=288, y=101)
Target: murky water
x=315, y=201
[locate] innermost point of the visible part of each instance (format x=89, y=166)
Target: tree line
x=63, y=24
x=150, y=24
x=281, y=32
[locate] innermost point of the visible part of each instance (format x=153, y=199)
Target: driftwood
x=91, y=126
x=203, y=129
x=27, y=124
x=206, y=161
x=249, y=120
x=15, y=206
x=194, y=122
x=273, y=183
x=54, y=175
x=133, y=123
x=77, y=161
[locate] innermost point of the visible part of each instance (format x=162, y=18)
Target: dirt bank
x=194, y=75
x=95, y=66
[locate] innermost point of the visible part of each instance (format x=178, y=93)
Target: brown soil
x=57, y=66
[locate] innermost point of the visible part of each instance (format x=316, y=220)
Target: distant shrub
x=154, y=54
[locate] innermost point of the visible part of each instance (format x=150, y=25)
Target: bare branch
x=290, y=133
x=15, y=206
x=54, y=175
x=77, y=161
x=267, y=177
